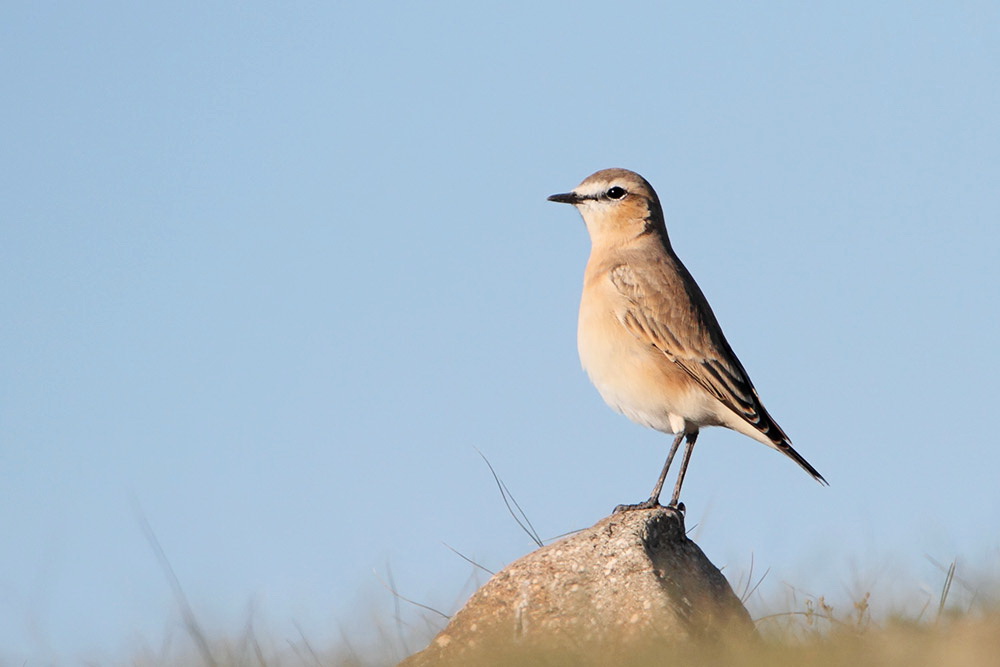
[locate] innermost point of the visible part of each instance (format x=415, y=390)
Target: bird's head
x=617, y=206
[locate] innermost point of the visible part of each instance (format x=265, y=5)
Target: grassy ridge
x=814, y=634
x=968, y=641
x=959, y=624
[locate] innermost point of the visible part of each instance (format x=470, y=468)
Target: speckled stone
x=633, y=578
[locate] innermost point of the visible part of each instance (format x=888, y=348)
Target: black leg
x=654, y=497
x=684, y=466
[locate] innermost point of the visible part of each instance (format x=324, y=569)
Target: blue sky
x=271, y=274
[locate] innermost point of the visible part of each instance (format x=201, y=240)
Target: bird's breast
x=633, y=377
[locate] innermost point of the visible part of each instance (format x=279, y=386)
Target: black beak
x=567, y=198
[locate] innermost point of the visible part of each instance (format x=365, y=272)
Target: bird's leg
x=691, y=437
x=654, y=497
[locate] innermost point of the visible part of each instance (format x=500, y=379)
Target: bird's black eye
x=615, y=193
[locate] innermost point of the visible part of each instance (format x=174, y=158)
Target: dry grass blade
x=468, y=560
x=523, y=521
x=950, y=577
x=396, y=593
x=308, y=645
x=397, y=614
x=566, y=534
x=748, y=590
x=187, y=613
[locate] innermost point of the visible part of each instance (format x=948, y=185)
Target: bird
x=647, y=337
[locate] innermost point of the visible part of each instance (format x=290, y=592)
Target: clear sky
x=271, y=273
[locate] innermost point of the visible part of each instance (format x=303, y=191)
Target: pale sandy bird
x=648, y=338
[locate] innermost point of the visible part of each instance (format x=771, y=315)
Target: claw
x=652, y=503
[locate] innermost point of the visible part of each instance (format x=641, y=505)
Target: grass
x=967, y=640
x=958, y=623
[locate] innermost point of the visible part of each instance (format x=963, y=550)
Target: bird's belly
x=638, y=380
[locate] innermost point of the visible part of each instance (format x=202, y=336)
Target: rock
x=631, y=583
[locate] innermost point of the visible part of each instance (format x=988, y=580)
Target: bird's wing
x=682, y=326
x=678, y=321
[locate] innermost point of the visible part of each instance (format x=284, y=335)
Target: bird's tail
x=772, y=431
x=786, y=448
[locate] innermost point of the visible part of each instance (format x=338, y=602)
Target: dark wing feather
x=685, y=330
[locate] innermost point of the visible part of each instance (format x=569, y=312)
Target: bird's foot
x=652, y=503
